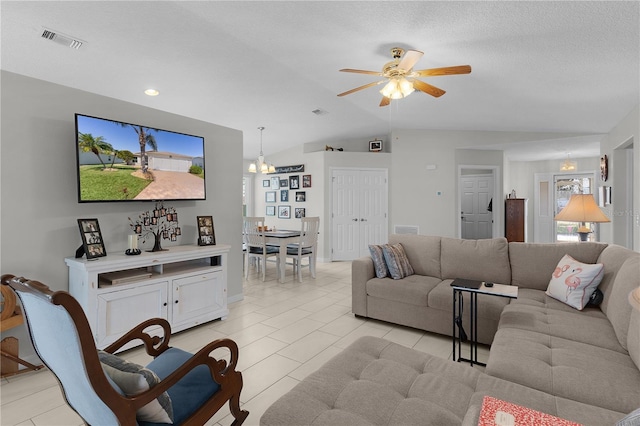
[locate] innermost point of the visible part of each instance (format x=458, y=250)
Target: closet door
x=359, y=212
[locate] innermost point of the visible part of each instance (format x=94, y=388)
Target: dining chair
x=257, y=248
x=175, y=387
x=306, y=247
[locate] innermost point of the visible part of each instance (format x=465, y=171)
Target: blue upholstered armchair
x=176, y=387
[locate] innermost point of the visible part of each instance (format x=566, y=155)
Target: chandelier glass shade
x=260, y=163
x=397, y=88
x=568, y=165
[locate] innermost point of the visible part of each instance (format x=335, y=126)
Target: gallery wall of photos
x=286, y=193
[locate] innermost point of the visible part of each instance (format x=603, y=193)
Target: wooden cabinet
x=186, y=285
x=515, y=221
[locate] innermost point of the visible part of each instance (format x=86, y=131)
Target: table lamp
x=582, y=208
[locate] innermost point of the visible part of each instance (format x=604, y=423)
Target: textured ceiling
x=537, y=66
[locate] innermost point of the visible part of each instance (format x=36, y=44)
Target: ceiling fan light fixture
x=397, y=88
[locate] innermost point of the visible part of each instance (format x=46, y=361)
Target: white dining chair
x=257, y=248
x=306, y=247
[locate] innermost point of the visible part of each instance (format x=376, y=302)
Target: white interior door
x=359, y=212
x=543, y=211
x=476, y=194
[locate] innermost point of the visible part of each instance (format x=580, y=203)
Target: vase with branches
x=161, y=222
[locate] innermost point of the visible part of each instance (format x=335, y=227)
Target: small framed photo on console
x=206, y=234
x=92, y=242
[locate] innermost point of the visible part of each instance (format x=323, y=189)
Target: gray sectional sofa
x=582, y=366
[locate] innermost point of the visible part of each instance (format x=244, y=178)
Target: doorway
x=623, y=170
x=476, y=206
x=478, y=203
x=552, y=192
x=359, y=211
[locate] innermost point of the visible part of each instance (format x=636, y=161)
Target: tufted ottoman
x=378, y=382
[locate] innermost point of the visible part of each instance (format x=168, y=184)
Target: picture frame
x=284, y=183
x=294, y=182
x=604, y=168
x=284, y=212
x=266, y=183
x=275, y=183
x=300, y=212
x=270, y=196
x=270, y=211
x=306, y=181
x=301, y=196
x=284, y=195
x=375, y=145
x=206, y=232
x=92, y=242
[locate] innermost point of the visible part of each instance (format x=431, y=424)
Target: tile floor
x=284, y=331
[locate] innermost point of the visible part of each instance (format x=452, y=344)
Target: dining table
x=281, y=238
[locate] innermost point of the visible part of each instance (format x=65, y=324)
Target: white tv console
x=186, y=285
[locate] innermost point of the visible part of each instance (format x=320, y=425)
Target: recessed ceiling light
x=152, y=92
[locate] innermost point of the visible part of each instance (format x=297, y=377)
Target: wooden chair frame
x=124, y=407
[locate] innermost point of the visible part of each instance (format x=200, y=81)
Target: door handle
x=355, y=219
x=363, y=220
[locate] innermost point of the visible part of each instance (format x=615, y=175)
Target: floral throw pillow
x=397, y=261
x=379, y=263
x=572, y=282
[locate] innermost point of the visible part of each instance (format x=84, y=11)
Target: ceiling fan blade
x=385, y=101
x=366, y=86
x=460, y=69
x=361, y=71
x=410, y=58
x=427, y=88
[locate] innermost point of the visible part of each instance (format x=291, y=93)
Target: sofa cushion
x=483, y=260
x=618, y=307
x=612, y=257
x=633, y=338
x=593, y=328
x=538, y=298
x=413, y=289
x=572, y=282
x=397, y=261
x=423, y=252
x=565, y=368
x=533, y=263
x=379, y=264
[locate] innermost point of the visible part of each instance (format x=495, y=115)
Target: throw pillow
x=133, y=379
x=379, y=263
x=631, y=419
x=397, y=261
x=572, y=282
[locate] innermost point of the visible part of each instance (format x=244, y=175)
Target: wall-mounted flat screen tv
x=118, y=161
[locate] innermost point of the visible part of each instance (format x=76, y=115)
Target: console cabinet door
x=121, y=310
x=198, y=298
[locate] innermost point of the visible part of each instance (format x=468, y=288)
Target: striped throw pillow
x=379, y=263
x=397, y=261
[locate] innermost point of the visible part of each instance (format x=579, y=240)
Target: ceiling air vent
x=62, y=39
x=319, y=111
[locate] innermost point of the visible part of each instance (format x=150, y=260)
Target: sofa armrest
x=361, y=271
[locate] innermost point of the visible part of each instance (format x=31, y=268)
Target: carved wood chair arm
x=154, y=345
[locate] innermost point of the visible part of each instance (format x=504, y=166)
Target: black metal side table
x=473, y=288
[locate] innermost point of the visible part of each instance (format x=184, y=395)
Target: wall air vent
x=62, y=39
x=405, y=229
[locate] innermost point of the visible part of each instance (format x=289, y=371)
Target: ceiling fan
x=401, y=79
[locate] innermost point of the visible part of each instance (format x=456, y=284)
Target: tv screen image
x=119, y=161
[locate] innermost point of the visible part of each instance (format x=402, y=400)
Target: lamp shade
x=582, y=208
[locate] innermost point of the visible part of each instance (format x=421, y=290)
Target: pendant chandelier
x=568, y=165
x=261, y=164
